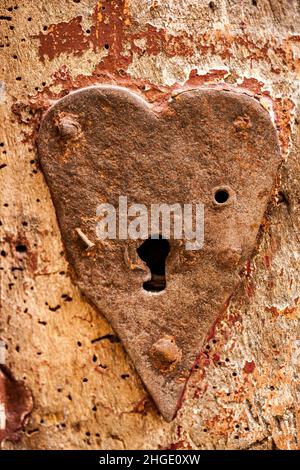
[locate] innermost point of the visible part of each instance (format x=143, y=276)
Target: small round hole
x=221, y=196
x=21, y=248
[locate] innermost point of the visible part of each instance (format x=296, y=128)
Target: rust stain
x=111, y=31
x=110, y=21
x=256, y=86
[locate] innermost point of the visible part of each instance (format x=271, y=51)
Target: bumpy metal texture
x=99, y=143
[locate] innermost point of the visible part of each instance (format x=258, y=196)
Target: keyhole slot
x=154, y=252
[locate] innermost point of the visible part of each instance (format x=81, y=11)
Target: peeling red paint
x=65, y=37
x=110, y=31
x=256, y=86
x=289, y=311
x=114, y=30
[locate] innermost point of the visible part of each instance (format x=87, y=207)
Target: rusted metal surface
x=243, y=392
x=15, y=405
x=103, y=142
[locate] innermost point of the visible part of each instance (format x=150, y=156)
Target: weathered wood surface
x=86, y=394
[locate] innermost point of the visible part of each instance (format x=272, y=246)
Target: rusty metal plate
x=211, y=146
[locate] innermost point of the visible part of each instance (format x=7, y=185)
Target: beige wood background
x=86, y=394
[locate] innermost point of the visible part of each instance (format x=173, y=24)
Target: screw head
x=165, y=353
x=68, y=126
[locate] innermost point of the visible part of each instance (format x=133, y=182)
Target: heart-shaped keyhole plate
x=208, y=148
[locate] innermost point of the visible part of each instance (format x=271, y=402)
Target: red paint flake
x=216, y=357
x=200, y=391
x=110, y=29
x=249, y=367
x=288, y=311
x=107, y=32
x=253, y=85
x=65, y=37
x=214, y=75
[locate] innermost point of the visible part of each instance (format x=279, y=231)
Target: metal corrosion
x=102, y=142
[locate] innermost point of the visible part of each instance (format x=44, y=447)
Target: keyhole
x=154, y=252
